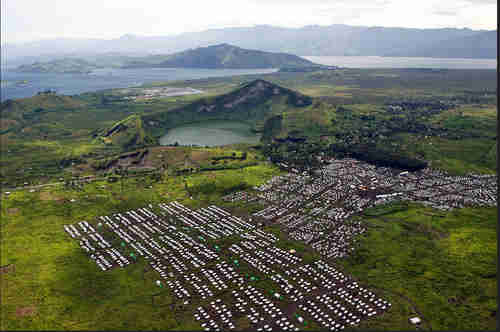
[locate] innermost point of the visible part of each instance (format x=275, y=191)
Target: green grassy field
x=439, y=266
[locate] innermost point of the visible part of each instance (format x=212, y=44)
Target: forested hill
x=226, y=56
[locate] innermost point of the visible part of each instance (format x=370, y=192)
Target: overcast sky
x=29, y=20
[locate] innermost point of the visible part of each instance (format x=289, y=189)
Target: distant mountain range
x=309, y=40
x=481, y=45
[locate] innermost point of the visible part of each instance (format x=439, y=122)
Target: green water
x=211, y=133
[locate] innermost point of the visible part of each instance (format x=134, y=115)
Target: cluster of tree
x=353, y=128
x=291, y=139
x=302, y=155
x=211, y=187
x=414, y=105
x=104, y=163
x=185, y=171
x=68, y=161
x=377, y=156
x=109, y=99
x=232, y=157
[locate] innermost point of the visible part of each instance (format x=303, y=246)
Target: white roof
x=415, y=320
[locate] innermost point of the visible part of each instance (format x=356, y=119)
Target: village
x=316, y=208
x=178, y=243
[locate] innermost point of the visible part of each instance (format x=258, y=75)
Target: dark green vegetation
x=439, y=266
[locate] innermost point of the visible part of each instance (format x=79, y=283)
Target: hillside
x=226, y=56
x=254, y=103
x=127, y=133
x=27, y=113
x=65, y=65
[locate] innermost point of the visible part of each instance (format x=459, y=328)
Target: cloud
x=445, y=12
x=26, y=20
x=487, y=2
x=320, y=2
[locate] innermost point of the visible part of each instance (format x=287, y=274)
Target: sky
x=31, y=20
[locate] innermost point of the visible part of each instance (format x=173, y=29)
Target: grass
x=477, y=155
x=440, y=266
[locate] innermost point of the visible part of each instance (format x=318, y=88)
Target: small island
x=222, y=56
x=66, y=65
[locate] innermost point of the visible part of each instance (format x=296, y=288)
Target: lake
x=211, y=133
x=21, y=85
x=403, y=62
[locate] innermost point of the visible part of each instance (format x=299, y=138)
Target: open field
x=440, y=266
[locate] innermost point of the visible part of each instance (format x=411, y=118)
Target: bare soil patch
x=7, y=123
x=25, y=311
x=198, y=156
x=7, y=268
x=48, y=196
x=12, y=211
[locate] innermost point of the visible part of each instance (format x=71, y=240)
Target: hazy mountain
x=65, y=65
x=226, y=56
x=480, y=45
x=308, y=40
